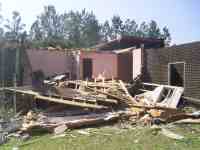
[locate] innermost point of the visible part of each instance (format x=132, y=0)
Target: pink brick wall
x=103, y=63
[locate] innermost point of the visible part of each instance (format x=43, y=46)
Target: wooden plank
x=153, y=84
x=126, y=92
x=98, y=99
x=57, y=100
x=192, y=100
x=153, y=107
x=29, y=92
x=69, y=102
x=107, y=94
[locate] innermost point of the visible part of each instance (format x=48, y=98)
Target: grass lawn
x=113, y=138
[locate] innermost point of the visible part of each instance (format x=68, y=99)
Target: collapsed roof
x=130, y=41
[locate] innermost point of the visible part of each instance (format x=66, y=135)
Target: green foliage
x=131, y=28
x=153, y=31
x=75, y=29
x=105, y=31
x=81, y=28
x=1, y=29
x=117, y=27
x=15, y=28
x=143, y=30
x=166, y=36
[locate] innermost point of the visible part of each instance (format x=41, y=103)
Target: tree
x=73, y=29
x=48, y=27
x=106, y=31
x=15, y=28
x=82, y=28
x=130, y=27
x=90, y=29
x=117, y=27
x=166, y=36
x=36, y=31
x=1, y=29
x=143, y=30
x=154, y=30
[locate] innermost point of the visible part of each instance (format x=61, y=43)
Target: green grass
x=112, y=138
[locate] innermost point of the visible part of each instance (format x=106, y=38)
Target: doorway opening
x=87, y=68
x=176, y=72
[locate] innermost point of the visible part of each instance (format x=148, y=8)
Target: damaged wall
x=102, y=63
x=125, y=66
x=130, y=41
x=110, y=64
x=50, y=62
x=157, y=62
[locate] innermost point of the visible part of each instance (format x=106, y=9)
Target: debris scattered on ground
x=60, y=129
x=101, y=102
x=58, y=136
x=83, y=132
x=3, y=138
x=188, y=121
x=171, y=134
x=59, y=124
x=25, y=137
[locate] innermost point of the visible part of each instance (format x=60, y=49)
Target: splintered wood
x=107, y=98
x=58, y=125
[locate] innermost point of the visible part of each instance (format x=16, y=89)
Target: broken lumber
x=187, y=121
x=61, y=126
x=107, y=94
x=69, y=102
x=192, y=100
x=126, y=91
x=153, y=107
x=153, y=84
x=92, y=121
x=57, y=100
x=171, y=134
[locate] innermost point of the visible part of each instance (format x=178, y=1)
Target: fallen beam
x=188, y=121
x=153, y=84
x=71, y=124
x=69, y=102
x=126, y=92
x=29, y=92
x=36, y=95
x=192, y=100
x=107, y=94
x=153, y=107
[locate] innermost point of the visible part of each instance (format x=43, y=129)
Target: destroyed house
x=177, y=65
x=118, y=59
x=107, y=64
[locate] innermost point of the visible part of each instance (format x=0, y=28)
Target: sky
x=182, y=17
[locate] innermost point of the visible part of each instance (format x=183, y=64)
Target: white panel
x=137, y=62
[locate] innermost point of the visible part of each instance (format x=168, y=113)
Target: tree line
x=75, y=29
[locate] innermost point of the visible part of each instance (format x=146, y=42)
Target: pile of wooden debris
x=103, y=101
